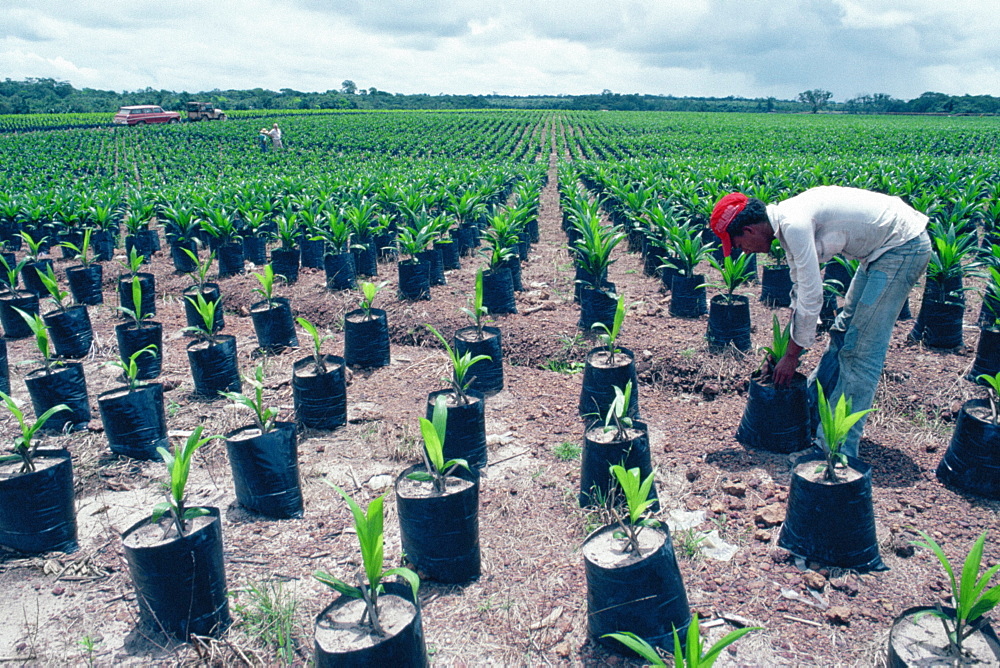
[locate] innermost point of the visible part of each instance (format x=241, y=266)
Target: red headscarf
x=725, y=210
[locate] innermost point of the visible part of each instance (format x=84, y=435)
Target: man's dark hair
x=754, y=212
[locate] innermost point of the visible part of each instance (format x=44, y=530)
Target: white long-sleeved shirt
x=829, y=220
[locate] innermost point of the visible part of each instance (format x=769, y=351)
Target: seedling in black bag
x=436, y=468
x=969, y=594
x=34, y=248
x=368, y=292
x=81, y=252
x=136, y=313
x=200, y=273
x=317, y=340
x=368, y=527
x=178, y=467
x=460, y=365
x=638, y=502
x=130, y=370
x=263, y=416
x=134, y=262
x=836, y=423
x=618, y=412
x=734, y=273
x=691, y=655
x=266, y=280
x=206, y=310
x=24, y=445
x=778, y=347
x=610, y=336
x=10, y=275
x=62, y=300
x=42, y=342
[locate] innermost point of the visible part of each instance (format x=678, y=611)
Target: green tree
x=817, y=98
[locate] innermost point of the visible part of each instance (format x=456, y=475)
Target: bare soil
x=529, y=606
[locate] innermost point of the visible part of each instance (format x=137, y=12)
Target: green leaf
x=412, y=578
x=433, y=444
x=159, y=510
x=639, y=646
x=337, y=584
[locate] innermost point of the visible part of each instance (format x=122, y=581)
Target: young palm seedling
x=733, y=273
x=618, y=412
x=971, y=595
x=835, y=425
x=692, y=655
x=477, y=312
x=609, y=337
x=638, y=501
x=61, y=299
x=24, y=444
x=777, y=253
x=133, y=263
x=778, y=347
x=368, y=527
x=42, y=341
x=436, y=469
x=206, y=311
x=130, y=369
x=136, y=313
x=460, y=365
x=178, y=467
x=266, y=289
x=199, y=276
x=317, y=343
x=687, y=249
x=263, y=416
x=81, y=252
x=34, y=249
x=369, y=291
x=10, y=275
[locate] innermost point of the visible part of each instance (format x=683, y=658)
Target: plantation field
x=529, y=606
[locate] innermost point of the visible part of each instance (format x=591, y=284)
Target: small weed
x=570, y=343
x=564, y=367
x=631, y=271
x=537, y=474
x=173, y=408
x=89, y=645
x=406, y=445
x=688, y=353
x=688, y=543
x=567, y=451
x=488, y=604
x=269, y=616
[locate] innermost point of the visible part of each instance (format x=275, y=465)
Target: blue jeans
x=859, y=338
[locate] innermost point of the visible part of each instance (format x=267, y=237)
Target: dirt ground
x=529, y=605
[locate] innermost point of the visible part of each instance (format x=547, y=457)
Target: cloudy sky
x=749, y=48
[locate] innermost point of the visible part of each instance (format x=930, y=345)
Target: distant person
x=263, y=140
x=275, y=134
x=886, y=235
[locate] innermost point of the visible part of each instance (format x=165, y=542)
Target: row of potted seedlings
x=619, y=413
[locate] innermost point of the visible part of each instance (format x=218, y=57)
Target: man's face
x=752, y=239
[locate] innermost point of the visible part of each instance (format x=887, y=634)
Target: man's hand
x=784, y=370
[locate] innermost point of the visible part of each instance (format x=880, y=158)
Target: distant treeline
x=36, y=95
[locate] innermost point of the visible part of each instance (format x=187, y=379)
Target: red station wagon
x=145, y=113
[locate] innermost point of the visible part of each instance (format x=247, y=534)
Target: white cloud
x=694, y=48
